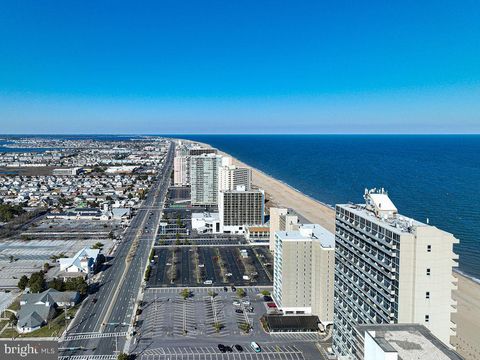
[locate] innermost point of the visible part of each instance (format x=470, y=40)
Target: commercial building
x=401, y=342
x=204, y=178
x=206, y=223
x=304, y=272
x=390, y=269
x=239, y=209
x=67, y=172
x=281, y=219
x=195, y=151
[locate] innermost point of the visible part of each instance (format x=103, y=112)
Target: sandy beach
x=467, y=317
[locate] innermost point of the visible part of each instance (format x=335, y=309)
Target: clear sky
x=240, y=66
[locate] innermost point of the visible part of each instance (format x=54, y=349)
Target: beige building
x=390, y=269
x=304, y=272
x=281, y=219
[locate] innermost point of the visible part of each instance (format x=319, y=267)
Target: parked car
x=221, y=347
x=208, y=282
x=250, y=309
x=239, y=348
x=255, y=347
x=267, y=298
x=225, y=289
x=246, y=302
x=236, y=303
x=239, y=311
x=228, y=348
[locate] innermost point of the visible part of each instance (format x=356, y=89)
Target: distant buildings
x=239, y=209
x=390, y=269
x=181, y=170
x=281, y=219
x=304, y=272
x=204, y=178
x=400, y=342
x=67, y=172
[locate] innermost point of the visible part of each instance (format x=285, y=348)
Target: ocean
x=427, y=177
x=434, y=177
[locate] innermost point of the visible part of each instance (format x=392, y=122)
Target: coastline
x=467, y=315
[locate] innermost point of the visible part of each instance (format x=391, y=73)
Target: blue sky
x=239, y=67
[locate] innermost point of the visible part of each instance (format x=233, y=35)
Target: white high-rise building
x=204, y=178
x=231, y=176
x=181, y=173
x=240, y=208
x=390, y=269
x=304, y=272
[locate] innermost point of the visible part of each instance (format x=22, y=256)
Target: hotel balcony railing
x=384, y=245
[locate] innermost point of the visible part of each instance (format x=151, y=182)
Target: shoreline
x=467, y=295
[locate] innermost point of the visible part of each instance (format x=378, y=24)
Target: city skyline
x=231, y=68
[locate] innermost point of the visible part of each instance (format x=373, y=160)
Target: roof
x=77, y=258
x=409, y=341
x=312, y=232
x=258, y=229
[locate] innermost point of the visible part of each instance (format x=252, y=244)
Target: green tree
x=241, y=292
x=56, y=284
x=245, y=327
x=37, y=282
x=97, y=245
x=13, y=319
x=212, y=293
x=217, y=326
x=185, y=294
x=77, y=284
x=23, y=282
x=123, y=356
x=265, y=293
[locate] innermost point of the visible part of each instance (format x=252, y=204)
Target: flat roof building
x=204, y=178
x=304, y=272
x=390, y=269
x=401, y=342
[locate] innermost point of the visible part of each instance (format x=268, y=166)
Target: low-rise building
x=83, y=262
x=206, y=222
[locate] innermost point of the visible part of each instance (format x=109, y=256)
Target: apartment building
x=204, y=178
x=390, y=269
x=304, y=272
x=281, y=219
x=231, y=177
x=181, y=170
x=240, y=208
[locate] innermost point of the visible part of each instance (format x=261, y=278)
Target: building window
x=429, y=248
x=427, y=295
x=428, y=271
x=427, y=318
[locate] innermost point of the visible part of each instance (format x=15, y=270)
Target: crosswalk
x=88, y=357
x=298, y=337
x=93, y=335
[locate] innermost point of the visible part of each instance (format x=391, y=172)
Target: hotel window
x=427, y=295
x=429, y=248
x=427, y=318
x=428, y=271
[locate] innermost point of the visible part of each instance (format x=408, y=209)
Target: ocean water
x=427, y=177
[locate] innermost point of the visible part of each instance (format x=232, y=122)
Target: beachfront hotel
x=390, y=269
x=204, y=178
x=240, y=208
x=231, y=176
x=304, y=272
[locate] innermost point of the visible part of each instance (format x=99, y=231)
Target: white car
x=236, y=303
x=208, y=282
x=246, y=302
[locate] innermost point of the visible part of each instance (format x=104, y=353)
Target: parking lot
x=283, y=352
x=218, y=265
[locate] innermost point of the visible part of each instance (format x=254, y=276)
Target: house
x=121, y=213
x=37, y=309
x=82, y=262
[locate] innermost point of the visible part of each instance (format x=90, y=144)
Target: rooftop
x=409, y=341
x=312, y=232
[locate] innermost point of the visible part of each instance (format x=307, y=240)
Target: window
x=428, y=271
x=429, y=248
x=427, y=318
x=427, y=295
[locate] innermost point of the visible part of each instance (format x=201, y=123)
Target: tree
x=77, y=284
x=185, y=294
x=46, y=267
x=23, y=282
x=37, y=282
x=245, y=327
x=11, y=258
x=56, y=284
x=13, y=319
x=265, y=293
x=123, y=356
x=147, y=273
x=97, y=245
x=241, y=292
x=212, y=293
x=217, y=326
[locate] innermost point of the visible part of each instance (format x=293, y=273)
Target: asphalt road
x=112, y=310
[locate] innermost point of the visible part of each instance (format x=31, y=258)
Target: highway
x=110, y=309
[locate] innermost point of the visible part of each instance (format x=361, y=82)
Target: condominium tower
x=304, y=272
x=281, y=219
x=240, y=208
x=204, y=178
x=390, y=269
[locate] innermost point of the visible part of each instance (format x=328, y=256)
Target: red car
x=271, y=305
